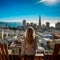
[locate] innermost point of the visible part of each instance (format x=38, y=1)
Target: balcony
x=6, y=54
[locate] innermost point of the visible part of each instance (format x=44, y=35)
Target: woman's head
x=29, y=32
x=30, y=35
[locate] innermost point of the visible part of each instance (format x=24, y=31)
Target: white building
x=47, y=39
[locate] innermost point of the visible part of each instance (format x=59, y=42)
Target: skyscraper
x=39, y=21
x=47, y=25
x=24, y=24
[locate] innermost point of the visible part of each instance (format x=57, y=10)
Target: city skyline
x=39, y=22
x=18, y=10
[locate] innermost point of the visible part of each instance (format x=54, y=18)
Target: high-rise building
x=24, y=24
x=32, y=24
x=39, y=21
x=28, y=24
x=35, y=26
x=43, y=27
x=47, y=25
x=57, y=25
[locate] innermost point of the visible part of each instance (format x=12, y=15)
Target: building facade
x=57, y=26
x=24, y=24
x=47, y=25
x=39, y=21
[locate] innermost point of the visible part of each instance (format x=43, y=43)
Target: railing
x=47, y=56
x=18, y=57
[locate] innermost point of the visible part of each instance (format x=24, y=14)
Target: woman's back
x=30, y=49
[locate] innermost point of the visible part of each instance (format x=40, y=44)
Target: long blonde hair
x=29, y=35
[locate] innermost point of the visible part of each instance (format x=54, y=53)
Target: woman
x=30, y=44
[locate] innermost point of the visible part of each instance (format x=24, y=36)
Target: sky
x=18, y=10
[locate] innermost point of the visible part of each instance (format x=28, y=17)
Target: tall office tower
x=39, y=21
x=47, y=25
x=24, y=24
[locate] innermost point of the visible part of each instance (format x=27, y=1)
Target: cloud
x=49, y=2
x=41, y=1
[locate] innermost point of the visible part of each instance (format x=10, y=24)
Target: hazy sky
x=17, y=10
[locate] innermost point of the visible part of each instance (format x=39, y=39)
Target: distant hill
x=11, y=24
